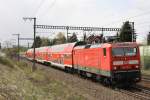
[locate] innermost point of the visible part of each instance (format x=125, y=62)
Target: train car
x=110, y=62
x=61, y=55
x=29, y=54
x=42, y=54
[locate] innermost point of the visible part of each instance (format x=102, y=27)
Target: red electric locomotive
x=108, y=62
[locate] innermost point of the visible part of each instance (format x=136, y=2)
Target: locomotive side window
x=104, y=51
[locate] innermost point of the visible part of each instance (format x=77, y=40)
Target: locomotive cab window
x=124, y=51
x=104, y=51
x=130, y=51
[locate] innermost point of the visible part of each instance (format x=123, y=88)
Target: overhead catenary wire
x=143, y=24
x=50, y=6
x=39, y=7
x=138, y=15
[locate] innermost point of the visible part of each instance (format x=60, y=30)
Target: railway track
x=146, y=78
x=138, y=92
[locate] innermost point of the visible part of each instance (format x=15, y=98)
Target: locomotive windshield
x=126, y=51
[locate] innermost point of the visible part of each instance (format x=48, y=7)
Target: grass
x=17, y=82
x=7, y=62
x=146, y=72
x=145, y=60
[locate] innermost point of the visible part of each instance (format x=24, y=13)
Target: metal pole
x=67, y=32
x=133, y=34
x=34, y=44
x=102, y=35
x=0, y=45
x=134, y=37
x=28, y=45
x=18, y=48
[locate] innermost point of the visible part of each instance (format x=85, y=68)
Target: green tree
x=38, y=42
x=51, y=42
x=126, y=32
x=73, y=38
x=45, y=42
x=60, y=38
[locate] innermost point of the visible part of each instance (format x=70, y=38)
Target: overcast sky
x=99, y=13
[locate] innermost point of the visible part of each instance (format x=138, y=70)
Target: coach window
x=104, y=51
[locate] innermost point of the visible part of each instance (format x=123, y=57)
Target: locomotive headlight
x=117, y=62
x=133, y=62
x=136, y=66
x=114, y=67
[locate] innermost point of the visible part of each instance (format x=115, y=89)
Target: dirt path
x=90, y=90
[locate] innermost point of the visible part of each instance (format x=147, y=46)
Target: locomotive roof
x=125, y=44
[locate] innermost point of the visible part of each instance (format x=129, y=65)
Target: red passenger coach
x=29, y=54
x=41, y=54
x=61, y=55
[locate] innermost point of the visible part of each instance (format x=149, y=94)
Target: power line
x=138, y=15
x=143, y=22
x=51, y=5
x=39, y=6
